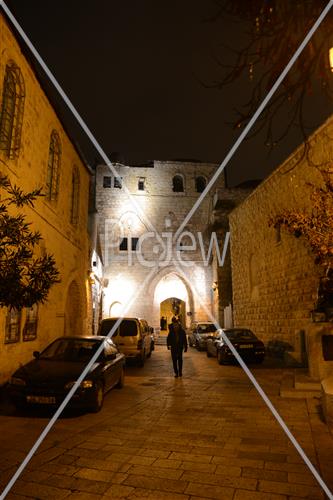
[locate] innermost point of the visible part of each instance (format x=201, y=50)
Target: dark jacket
x=181, y=345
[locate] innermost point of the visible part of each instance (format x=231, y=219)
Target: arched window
x=75, y=196
x=200, y=184
x=178, y=184
x=12, y=107
x=53, y=167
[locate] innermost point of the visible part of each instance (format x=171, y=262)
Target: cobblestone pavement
x=206, y=435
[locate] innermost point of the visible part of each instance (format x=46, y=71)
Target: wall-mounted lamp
x=330, y=57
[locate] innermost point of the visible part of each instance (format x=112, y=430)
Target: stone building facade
x=35, y=151
x=161, y=195
x=274, y=277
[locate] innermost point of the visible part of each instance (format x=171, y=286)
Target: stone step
x=161, y=340
x=303, y=391
x=304, y=382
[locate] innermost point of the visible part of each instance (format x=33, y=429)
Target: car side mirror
x=36, y=354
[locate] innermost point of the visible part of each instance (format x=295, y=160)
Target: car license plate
x=46, y=400
x=246, y=346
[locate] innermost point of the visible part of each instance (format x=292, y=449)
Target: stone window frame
x=175, y=178
x=141, y=184
x=200, y=178
x=107, y=181
x=13, y=326
x=117, y=182
x=124, y=244
x=53, y=167
x=75, y=196
x=31, y=323
x=12, y=110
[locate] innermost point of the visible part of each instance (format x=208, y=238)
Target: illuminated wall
x=66, y=308
x=157, y=208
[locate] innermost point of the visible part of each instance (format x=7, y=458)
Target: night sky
x=134, y=70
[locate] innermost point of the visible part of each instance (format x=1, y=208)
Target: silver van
x=132, y=337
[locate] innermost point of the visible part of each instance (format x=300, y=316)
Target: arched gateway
x=172, y=297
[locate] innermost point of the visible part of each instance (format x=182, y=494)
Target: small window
x=13, y=325
x=75, y=196
x=107, y=181
x=30, y=327
x=200, y=184
x=177, y=184
x=141, y=184
x=327, y=345
x=118, y=182
x=12, y=108
x=134, y=243
x=53, y=167
x=123, y=244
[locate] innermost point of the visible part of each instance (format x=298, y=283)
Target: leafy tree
x=24, y=279
x=275, y=29
x=316, y=226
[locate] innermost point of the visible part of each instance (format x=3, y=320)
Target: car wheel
x=121, y=380
x=220, y=358
x=142, y=359
x=98, y=398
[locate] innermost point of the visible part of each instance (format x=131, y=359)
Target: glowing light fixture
x=330, y=56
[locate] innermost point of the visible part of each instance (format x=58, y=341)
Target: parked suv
x=132, y=337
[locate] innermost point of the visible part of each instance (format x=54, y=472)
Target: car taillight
x=139, y=344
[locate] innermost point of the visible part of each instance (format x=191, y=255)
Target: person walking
x=177, y=342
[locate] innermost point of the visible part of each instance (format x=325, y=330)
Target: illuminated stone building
x=162, y=194
x=35, y=151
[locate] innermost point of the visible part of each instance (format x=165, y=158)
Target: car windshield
x=127, y=328
x=240, y=335
x=206, y=328
x=71, y=350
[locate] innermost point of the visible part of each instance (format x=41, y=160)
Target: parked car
x=199, y=334
x=47, y=379
x=249, y=347
x=132, y=337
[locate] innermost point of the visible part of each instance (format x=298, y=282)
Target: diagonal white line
x=63, y=405
x=78, y=117
x=254, y=118
x=258, y=388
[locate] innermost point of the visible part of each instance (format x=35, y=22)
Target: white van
x=131, y=337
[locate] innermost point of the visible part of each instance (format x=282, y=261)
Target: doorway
x=172, y=307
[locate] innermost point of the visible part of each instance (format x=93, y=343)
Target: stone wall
x=67, y=242
x=275, y=280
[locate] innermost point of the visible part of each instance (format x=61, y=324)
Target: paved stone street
x=207, y=435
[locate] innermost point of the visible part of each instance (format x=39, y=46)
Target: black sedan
x=47, y=379
x=249, y=347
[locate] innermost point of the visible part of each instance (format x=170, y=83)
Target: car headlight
x=17, y=381
x=85, y=384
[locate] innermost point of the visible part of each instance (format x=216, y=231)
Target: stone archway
x=116, y=309
x=73, y=311
x=169, y=288
x=173, y=307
